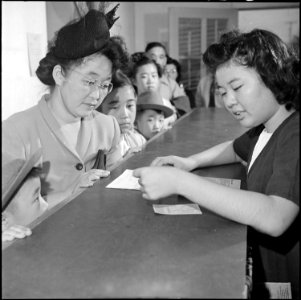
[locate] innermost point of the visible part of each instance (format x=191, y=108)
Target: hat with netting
x=85, y=36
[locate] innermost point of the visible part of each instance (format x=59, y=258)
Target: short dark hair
x=264, y=51
x=119, y=80
x=113, y=50
x=153, y=45
x=178, y=67
x=144, y=60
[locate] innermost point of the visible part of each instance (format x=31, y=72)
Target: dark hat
x=153, y=100
x=86, y=36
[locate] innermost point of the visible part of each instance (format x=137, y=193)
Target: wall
x=139, y=22
x=283, y=22
x=20, y=21
x=59, y=13
x=159, y=10
x=21, y=90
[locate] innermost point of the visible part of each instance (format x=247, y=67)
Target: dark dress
x=275, y=172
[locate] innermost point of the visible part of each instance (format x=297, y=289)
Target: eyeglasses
x=91, y=83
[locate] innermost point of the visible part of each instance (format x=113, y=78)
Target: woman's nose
x=96, y=94
x=230, y=99
x=124, y=112
x=149, y=79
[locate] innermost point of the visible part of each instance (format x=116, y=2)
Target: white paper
x=177, y=209
x=279, y=290
x=125, y=181
x=232, y=183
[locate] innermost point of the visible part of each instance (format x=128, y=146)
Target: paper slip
x=232, y=183
x=177, y=209
x=125, y=181
x=279, y=290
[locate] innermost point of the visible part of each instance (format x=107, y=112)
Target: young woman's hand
x=15, y=231
x=158, y=182
x=89, y=178
x=183, y=163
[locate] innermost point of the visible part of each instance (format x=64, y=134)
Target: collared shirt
x=61, y=164
x=131, y=141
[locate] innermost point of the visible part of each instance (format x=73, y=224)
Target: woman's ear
x=57, y=74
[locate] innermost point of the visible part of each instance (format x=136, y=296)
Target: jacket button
x=79, y=166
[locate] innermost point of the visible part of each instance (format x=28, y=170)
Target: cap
x=153, y=100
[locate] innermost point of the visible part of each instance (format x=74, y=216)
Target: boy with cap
x=151, y=113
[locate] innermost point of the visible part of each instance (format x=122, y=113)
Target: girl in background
x=121, y=103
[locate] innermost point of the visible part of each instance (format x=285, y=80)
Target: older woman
x=65, y=124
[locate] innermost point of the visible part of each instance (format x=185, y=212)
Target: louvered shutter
x=190, y=45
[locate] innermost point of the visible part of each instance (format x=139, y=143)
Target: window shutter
x=190, y=45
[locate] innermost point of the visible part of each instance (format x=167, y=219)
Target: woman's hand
x=15, y=231
x=158, y=182
x=89, y=178
x=183, y=163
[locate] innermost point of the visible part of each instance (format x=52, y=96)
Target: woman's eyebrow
x=96, y=74
x=113, y=102
x=231, y=81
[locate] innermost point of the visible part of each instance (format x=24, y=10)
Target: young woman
x=258, y=78
x=78, y=69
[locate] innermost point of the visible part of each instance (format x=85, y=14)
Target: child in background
x=151, y=113
x=121, y=103
x=11, y=231
x=27, y=203
x=146, y=77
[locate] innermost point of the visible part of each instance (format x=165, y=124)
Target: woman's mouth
x=238, y=114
